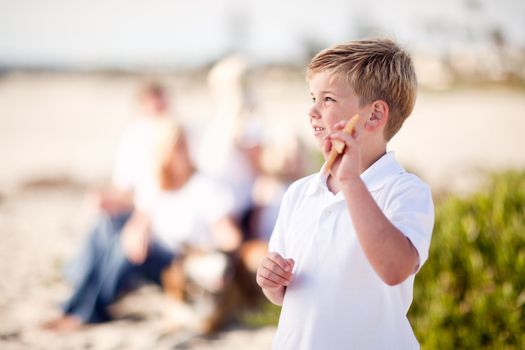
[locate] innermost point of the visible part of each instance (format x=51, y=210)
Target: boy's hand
x=275, y=272
x=348, y=165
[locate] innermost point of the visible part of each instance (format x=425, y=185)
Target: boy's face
x=333, y=100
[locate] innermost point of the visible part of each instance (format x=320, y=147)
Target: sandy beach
x=58, y=133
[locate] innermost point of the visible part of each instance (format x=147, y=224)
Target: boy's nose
x=314, y=113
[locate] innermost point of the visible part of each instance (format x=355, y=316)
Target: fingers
x=275, y=272
x=284, y=264
x=267, y=279
x=342, y=136
x=341, y=124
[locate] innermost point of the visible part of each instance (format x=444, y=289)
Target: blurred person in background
x=132, y=180
x=133, y=183
x=229, y=146
x=235, y=150
x=191, y=212
x=229, y=150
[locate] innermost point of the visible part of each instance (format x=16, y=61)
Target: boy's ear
x=378, y=115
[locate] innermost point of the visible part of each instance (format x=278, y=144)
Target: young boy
x=346, y=246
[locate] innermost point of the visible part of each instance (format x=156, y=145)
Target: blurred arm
x=114, y=201
x=135, y=237
x=226, y=234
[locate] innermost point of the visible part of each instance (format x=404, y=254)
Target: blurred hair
x=152, y=89
x=376, y=69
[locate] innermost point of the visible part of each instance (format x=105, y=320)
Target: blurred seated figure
x=133, y=182
x=188, y=220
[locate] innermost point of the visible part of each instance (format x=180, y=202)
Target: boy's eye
x=329, y=99
x=313, y=99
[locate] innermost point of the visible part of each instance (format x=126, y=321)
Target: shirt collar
x=375, y=177
x=318, y=182
x=382, y=171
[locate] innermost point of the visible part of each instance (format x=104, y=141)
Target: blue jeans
x=102, y=273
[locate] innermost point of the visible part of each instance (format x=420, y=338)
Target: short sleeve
x=411, y=210
x=276, y=243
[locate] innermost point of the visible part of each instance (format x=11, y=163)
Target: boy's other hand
x=275, y=272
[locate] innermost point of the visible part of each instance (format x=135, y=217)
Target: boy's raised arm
x=388, y=250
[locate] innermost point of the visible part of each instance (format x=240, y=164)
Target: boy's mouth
x=317, y=129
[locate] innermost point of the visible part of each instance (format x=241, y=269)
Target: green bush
x=470, y=294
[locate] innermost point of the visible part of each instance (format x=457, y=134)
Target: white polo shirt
x=336, y=300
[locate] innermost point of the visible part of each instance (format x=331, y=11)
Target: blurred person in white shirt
x=189, y=212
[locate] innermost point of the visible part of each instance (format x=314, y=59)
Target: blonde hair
x=376, y=69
